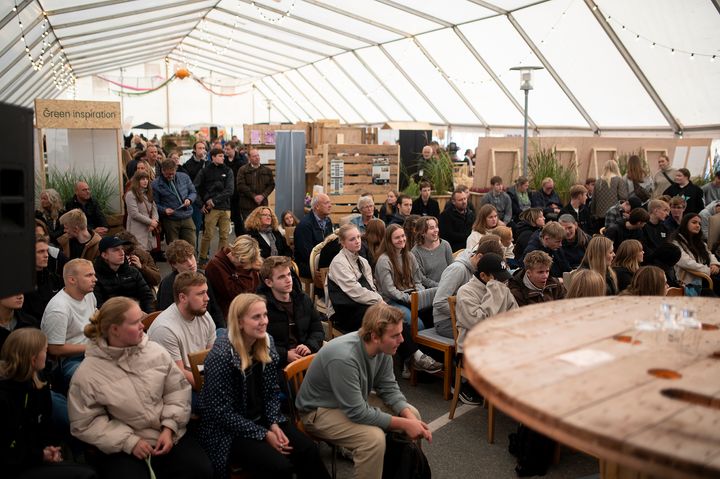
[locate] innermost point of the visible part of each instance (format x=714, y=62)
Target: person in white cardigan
x=142, y=215
x=694, y=253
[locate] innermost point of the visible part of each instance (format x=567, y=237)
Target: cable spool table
x=574, y=370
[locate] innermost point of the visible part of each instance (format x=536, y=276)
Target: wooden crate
x=358, y=164
x=262, y=128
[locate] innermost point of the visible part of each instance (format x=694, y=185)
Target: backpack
x=404, y=459
x=534, y=451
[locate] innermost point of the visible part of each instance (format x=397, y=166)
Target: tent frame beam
x=415, y=85
x=138, y=12
x=287, y=78
x=247, y=65
x=290, y=97
x=208, y=64
x=322, y=75
x=357, y=17
x=492, y=74
x=235, y=51
x=307, y=80
x=417, y=13
x=278, y=99
x=563, y=86
x=358, y=86
x=654, y=96
x=382, y=83
x=450, y=82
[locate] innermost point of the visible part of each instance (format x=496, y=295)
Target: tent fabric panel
x=400, y=87
x=338, y=102
x=470, y=77
x=373, y=9
x=299, y=97
x=450, y=11
x=351, y=92
x=688, y=87
x=548, y=104
x=326, y=111
x=589, y=64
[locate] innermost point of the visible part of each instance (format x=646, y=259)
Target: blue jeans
x=68, y=366
x=407, y=317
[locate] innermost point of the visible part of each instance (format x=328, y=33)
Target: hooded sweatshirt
x=477, y=301
x=458, y=273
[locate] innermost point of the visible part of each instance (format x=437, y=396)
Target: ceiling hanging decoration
x=276, y=19
x=228, y=42
x=180, y=74
x=38, y=63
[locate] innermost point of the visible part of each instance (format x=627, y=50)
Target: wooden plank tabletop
x=610, y=406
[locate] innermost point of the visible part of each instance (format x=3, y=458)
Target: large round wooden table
x=565, y=369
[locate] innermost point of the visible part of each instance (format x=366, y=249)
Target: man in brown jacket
x=78, y=241
x=254, y=184
x=533, y=284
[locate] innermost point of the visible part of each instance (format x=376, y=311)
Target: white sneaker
x=405, y=371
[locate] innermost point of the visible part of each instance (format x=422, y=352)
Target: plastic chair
x=429, y=338
x=294, y=375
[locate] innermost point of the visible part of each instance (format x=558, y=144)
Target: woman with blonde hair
x=262, y=224
x=638, y=181
x=610, y=189
x=586, y=283
x=26, y=449
x=142, y=215
x=129, y=399
x=598, y=257
x=234, y=270
x=486, y=219
x=240, y=419
x=647, y=281
x=629, y=256
x=51, y=209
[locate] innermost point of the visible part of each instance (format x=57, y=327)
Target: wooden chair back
x=149, y=319
x=457, y=253
x=453, y=319
x=294, y=375
x=290, y=236
x=197, y=360
x=675, y=292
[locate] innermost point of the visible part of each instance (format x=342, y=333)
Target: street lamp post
x=526, y=85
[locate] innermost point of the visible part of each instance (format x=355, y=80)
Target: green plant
x=439, y=172
x=412, y=189
x=543, y=163
x=102, y=186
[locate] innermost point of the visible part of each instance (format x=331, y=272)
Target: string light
x=228, y=42
x=38, y=63
x=270, y=19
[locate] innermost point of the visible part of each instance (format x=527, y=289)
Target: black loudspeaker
x=213, y=133
x=17, y=200
x=411, y=145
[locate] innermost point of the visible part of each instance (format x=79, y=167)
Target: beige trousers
x=215, y=219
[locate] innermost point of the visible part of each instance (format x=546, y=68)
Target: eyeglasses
x=265, y=215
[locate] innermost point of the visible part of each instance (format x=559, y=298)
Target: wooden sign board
x=77, y=114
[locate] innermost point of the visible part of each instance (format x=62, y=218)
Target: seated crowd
x=126, y=397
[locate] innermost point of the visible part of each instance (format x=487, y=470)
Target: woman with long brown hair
x=638, y=181
x=240, y=418
x=432, y=253
x=647, y=281
x=694, y=253
x=627, y=261
x=373, y=238
x=485, y=219
x=142, y=215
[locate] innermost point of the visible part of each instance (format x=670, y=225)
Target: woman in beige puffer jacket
x=130, y=400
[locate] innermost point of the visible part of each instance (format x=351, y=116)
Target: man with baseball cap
x=484, y=296
x=116, y=277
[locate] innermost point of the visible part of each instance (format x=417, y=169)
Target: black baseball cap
x=111, y=242
x=493, y=264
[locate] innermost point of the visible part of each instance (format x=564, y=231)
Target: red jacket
x=228, y=281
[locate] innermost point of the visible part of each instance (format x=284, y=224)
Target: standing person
x=599, y=257
x=312, y=230
x=687, y=190
x=398, y=275
x=174, y=194
x=51, y=209
x=627, y=261
x=389, y=208
x=499, y=199
x=432, y=254
x=456, y=221
x=711, y=190
x=142, y=215
x=547, y=199
x=343, y=411
x=609, y=190
x=78, y=241
x=192, y=167
x=665, y=176
x=519, y=196
x=27, y=449
x=294, y=323
x=234, y=161
x=485, y=219
x=694, y=253
x=262, y=224
x=214, y=187
x=424, y=205
x=240, y=420
x=234, y=270
x=130, y=400
x=638, y=181
x=254, y=184
x=84, y=201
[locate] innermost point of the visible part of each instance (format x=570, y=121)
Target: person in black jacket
x=215, y=185
x=547, y=199
x=12, y=318
x=530, y=221
x=28, y=448
x=83, y=200
x=578, y=209
x=293, y=323
x=262, y=224
x=456, y=221
x=686, y=189
x=47, y=281
x=115, y=277
x=549, y=240
x=311, y=230
x=181, y=257
x=423, y=204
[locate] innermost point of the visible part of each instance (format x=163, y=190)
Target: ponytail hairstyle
x=16, y=358
x=112, y=312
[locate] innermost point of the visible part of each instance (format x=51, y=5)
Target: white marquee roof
x=371, y=61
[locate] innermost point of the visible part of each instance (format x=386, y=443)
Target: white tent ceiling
x=608, y=64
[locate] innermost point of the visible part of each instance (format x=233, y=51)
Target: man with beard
x=185, y=326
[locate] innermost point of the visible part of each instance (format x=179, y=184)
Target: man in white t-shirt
x=185, y=326
x=67, y=314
